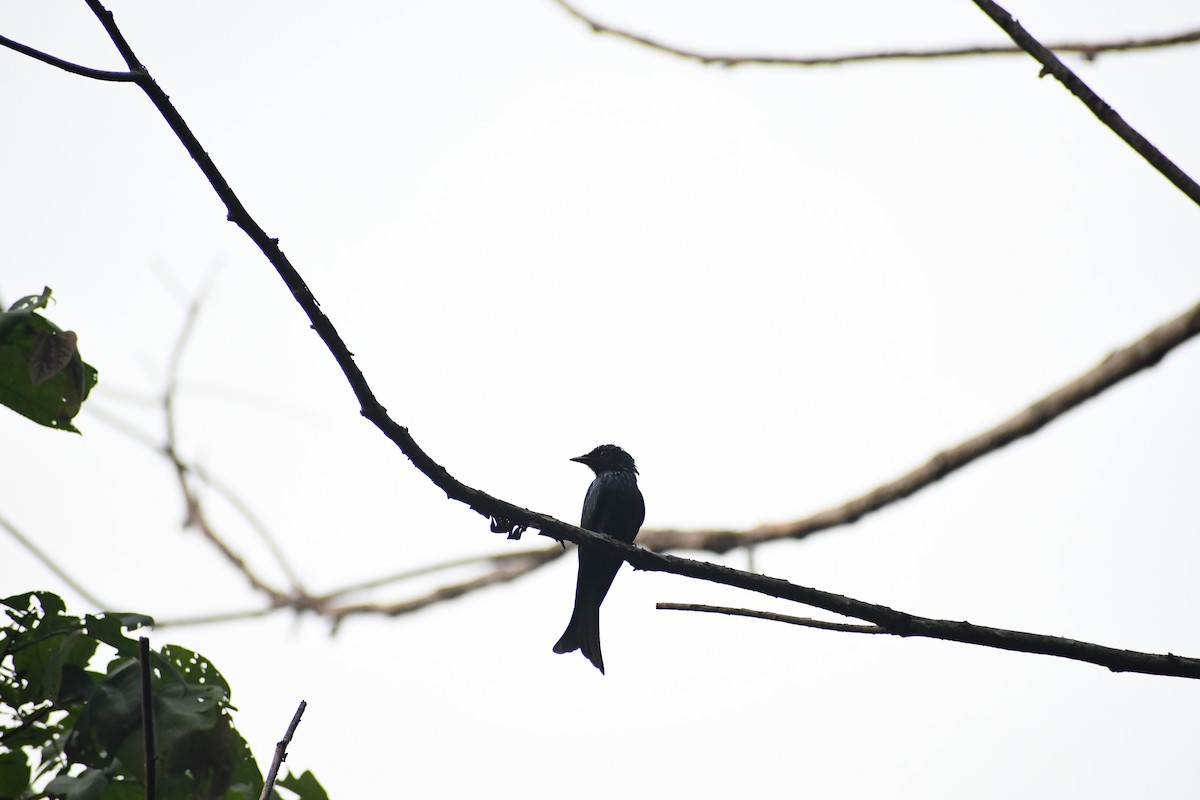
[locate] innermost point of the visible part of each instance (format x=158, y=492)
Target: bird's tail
x=583, y=633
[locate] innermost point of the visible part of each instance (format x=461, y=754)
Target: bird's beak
x=581, y=459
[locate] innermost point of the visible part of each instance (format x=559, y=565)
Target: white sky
x=775, y=287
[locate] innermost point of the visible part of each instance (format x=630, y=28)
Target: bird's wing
x=614, y=505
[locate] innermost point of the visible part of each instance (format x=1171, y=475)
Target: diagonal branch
x=1116, y=367
x=1088, y=50
x=75, y=69
x=1052, y=65
x=499, y=561
x=195, y=516
x=281, y=752
x=804, y=622
x=505, y=570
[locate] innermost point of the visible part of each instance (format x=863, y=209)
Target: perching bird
x=613, y=505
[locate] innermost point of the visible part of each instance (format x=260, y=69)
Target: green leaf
x=110, y=629
x=209, y=757
x=14, y=773
x=247, y=779
x=124, y=790
x=194, y=668
x=305, y=785
x=112, y=714
x=131, y=621
x=181, y=710
x=49, y=602
x=88, y=786
x=41, y=373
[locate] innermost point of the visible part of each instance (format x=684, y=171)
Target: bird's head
x=607, y=458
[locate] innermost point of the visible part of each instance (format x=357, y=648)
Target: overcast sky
x=776, y=287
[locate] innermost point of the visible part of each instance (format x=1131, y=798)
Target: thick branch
x=1116, y=367
x=1088, y=50
x=281, y=751
x=1053, y=66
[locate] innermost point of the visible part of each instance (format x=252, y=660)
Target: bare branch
x=281, y=752
x=507, y=567
x=1089, y=50
x=77, y=69
x=195, y=515
x=219, y=616
x=1053, y=66
x=1116, y=367
x=145, y=672
x=504, y=573
x=542, y=555
x=807, y=622
x=256, y=524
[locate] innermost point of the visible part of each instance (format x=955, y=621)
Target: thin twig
x=807, y=622
x=504, y=573
x=507, y=568
x=195, y=515
x=1089, y=50
x=281, y=752
x=1142, y=354
x=28, y=721
x=51, y=565
x=543, y=555
x=220, y=616
x=147, y=716
x=170, y=452
x=76, y=69
x=1052, y=65
x=256, y=524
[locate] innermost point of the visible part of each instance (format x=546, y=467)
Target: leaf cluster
x=72, y=730
x=41, y=373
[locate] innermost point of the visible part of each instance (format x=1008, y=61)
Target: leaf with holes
x=41, y=373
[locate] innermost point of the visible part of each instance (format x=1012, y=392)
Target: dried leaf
x=51, y=354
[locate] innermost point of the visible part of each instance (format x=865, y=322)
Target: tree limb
x=281, y=752
x=1116, y=367
x=1089, y=50
x=1053, y=66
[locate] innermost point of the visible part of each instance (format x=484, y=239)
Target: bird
x=613, y=505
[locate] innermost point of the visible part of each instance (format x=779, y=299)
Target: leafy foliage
x=41, y=373
x=73, y=731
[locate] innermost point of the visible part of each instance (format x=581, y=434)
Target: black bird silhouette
x=613, y=505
